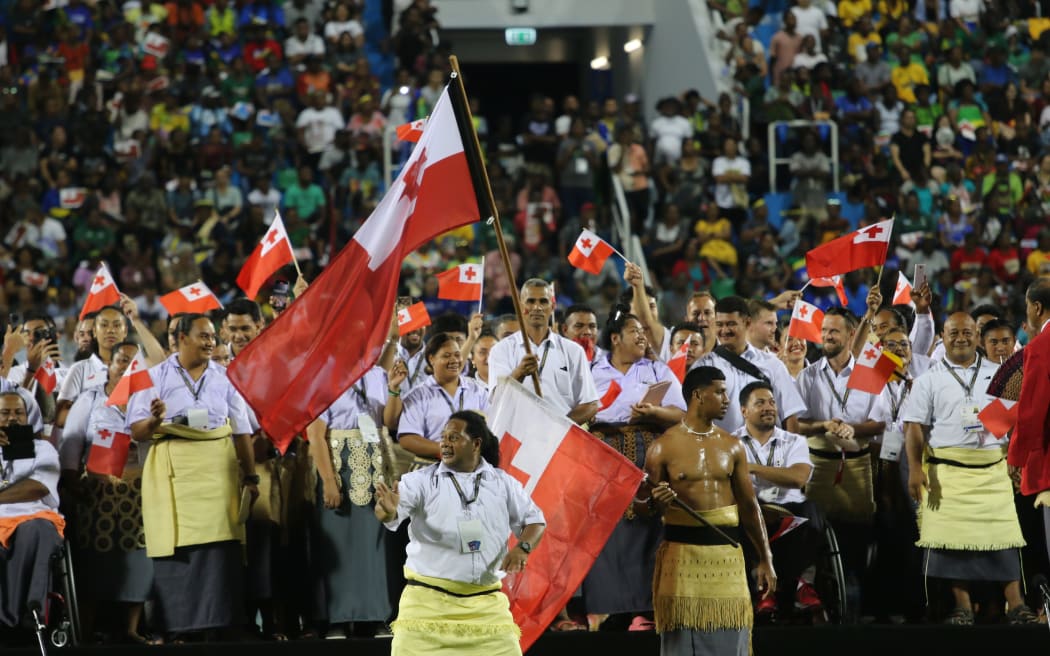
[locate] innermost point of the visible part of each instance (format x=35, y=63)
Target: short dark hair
x=847, y=316
x=756, y=306
x=244, y=306
x=732, y=305
x=995, y=324
x=1039, y=292
x=700, y=378
x=186, y=321
x=627, y=295
x=691, y=326
x=477, y=428
x=38, y=315
x=751, y=388
x=578, y=308
x=449, y=322
x=987, y=308
x=898, y=316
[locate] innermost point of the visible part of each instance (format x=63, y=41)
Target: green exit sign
x=520, y=36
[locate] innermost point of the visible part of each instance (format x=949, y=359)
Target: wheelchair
x=60, y=626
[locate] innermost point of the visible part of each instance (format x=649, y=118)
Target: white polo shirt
x=937, y=400
x=782, y=450
x=826, y=396
x=788, y=400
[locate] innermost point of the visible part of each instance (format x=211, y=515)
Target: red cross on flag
x=108, y=453
x=411, y=131
x=412, y=318
x=902, y=293
x=833, y=281
x=103, y=292
x=582, y=486
x=999, y=417
x=71, y=198
x=872, y=370
x=135, y=379
x=864, y=248
x=45, y=376
x=461, y=283
x=806, y=321
x=273, y=252
x=677, y=363
x=194, y=298
x=590, y=252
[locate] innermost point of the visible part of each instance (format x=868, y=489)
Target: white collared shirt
x=432, y=502
x=428, y=407
x=88, y=416
x=85, y=374
x=824, y=401
x=366, y=396
x=416, y=365
x=787, y=449
x=213, y=392
x=889, y=406
x=787, y=397
x=633, y=386
x=937, y=399
x=18, y=374
x=43, y=468
x=565, y=374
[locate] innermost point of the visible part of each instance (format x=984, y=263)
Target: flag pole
x=487, y=200
x=481, y=291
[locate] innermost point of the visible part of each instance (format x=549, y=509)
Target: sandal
x=568, y=625
x=960, y=617
x=1022, y=615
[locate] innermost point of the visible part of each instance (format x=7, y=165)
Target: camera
x=42, y=334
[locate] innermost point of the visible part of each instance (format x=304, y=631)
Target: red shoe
x=806, y=597
x=767, y=606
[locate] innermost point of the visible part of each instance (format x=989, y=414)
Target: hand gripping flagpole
x=695, y=515
x=487, y=200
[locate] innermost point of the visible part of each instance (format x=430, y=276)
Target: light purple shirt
x=213, y=392
x=366, y=396
x=428, y=406
x=633, y=386
x=417, y=369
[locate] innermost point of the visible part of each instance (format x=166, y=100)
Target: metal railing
x=774, y=161
x=621, y=220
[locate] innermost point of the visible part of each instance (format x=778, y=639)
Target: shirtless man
x=705, y=467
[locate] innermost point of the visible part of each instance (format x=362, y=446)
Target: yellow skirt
x=701, y=587
x=852, y=498
x=968, y=509
x=433, y=622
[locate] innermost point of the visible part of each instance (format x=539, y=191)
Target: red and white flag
x=135, y=379
x=45, y=376
x=71, y=198
x=461, y=283
x=999, y=417
x=108, y=453
x=872, y=370
x=103, y=292
x=610, y=395
x=413, y=317
x=411, y=131
x=156, y=44
x=833, y=281
x=590, y=252
x=195, y=298
x=677, y=363
x=902, y=292
x=806, y=321
x=272, y=253
x=787, y=524
x=333, y=334
x=542, y=449
x=864, y=248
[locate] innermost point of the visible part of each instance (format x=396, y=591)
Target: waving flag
x=806, y=321
x=864, y=248
x=872, y=370
x=108, y=453
x=103, y=292
x=195, y=298
x=833, y=281
x=902, y=292
x=270, y=254
x=135, y=379
x=45, y=376
x=543, y=449
x=461, y=283
x=999, y=417
x=332, y=334
x=677, y=363
x=411, y=131
x=590, y=252
x=412, y=318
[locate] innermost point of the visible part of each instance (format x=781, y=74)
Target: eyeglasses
x=895, y=345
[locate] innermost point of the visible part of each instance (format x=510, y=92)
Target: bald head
x=960, y=338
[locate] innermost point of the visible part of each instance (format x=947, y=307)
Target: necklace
x=697, y=433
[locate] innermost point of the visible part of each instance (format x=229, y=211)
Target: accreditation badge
x=470, y=535
x=892, y=445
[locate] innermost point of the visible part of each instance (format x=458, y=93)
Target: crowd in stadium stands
x=163, y=138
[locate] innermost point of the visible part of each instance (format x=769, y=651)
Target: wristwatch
x=526, y=547
x=250, y=479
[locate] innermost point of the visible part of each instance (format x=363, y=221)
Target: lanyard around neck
x=188, y=382
x=459, y=490
x=968, y=389
x=750, y=442
x=842, y=399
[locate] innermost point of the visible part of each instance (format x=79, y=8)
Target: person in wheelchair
x=780, y=468
x=30, y=526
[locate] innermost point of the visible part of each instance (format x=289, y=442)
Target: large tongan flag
x=103, y=292
x=864, y=248
x=581, y=484
x=331, y=335
x=272, y=253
